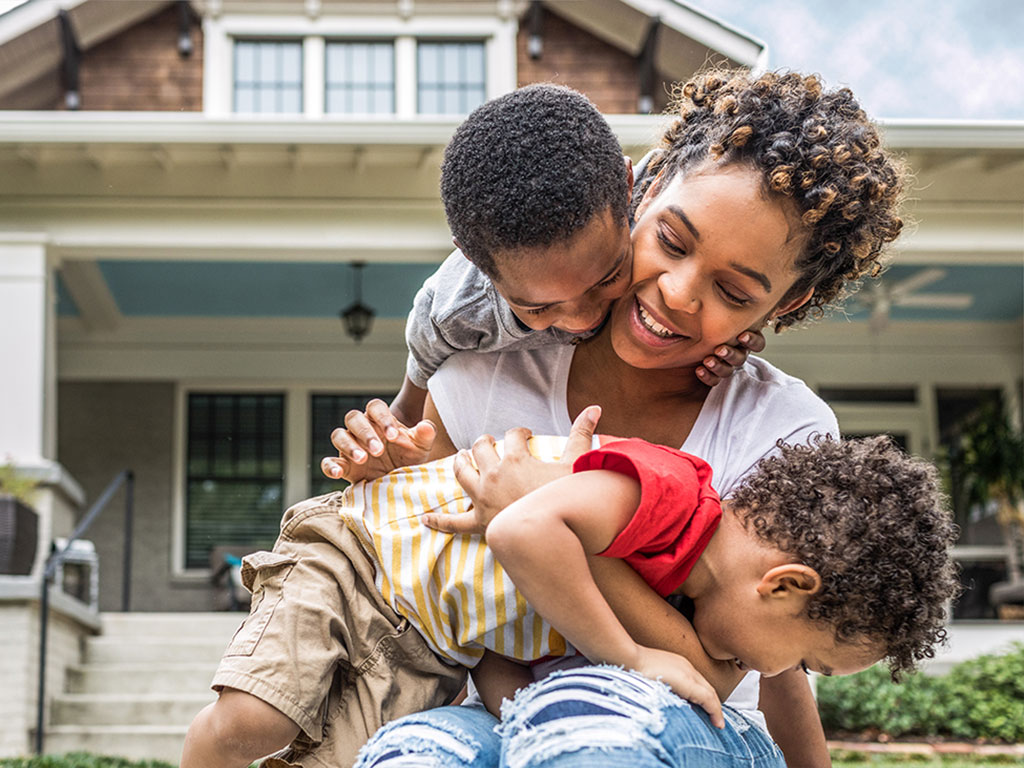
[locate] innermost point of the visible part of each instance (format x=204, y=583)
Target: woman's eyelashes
x=732, y=296
x=668, y=245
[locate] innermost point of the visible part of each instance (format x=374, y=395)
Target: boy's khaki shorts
x=322, y=646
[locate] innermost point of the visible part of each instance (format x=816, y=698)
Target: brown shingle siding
x=141, y=69
x=574, y=57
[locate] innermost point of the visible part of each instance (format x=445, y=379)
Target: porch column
x=27, y=351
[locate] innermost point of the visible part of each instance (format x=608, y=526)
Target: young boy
x=536, y=192
x=828, y=558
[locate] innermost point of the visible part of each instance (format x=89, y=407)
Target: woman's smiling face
x=713, y=255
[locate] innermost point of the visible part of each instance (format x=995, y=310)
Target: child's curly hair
x=872, y=522
x=813, y=146
x=530, y=168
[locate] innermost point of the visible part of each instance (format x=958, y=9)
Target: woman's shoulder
x=759, y=382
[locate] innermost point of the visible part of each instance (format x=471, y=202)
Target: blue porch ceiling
x=253, y=289
x=309, y=290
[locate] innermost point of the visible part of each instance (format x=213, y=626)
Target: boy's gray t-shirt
x=459, y=309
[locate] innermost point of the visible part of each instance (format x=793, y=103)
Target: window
x=451, y=78
x=268, y=76
x=326, y=413
x=360, y=78
x=234, y=473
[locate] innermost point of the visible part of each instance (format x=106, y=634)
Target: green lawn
x=863, y=760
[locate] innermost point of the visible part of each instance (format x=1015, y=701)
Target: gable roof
x=31, y=48
x=30, y=35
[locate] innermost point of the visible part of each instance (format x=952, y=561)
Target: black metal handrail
x=127, y=479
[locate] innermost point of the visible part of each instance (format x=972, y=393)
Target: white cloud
x=913, y=58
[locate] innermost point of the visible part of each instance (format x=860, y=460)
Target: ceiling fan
x=882, y=295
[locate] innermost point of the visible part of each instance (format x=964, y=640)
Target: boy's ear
x=457, y=244
x=789, y=580
x=629, y=176
x=652, y=192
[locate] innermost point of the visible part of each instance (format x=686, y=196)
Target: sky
x=958, y=59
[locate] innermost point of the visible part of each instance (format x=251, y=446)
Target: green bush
x=979, y=699
x=79, y=760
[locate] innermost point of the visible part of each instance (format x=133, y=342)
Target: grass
x=79, y=760
x=844, y=759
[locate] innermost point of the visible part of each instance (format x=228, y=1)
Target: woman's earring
x=770, y=322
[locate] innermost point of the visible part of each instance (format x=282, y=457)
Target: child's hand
x=727, y=359
x=374, y=442
x=679, y=675
x=493, y=482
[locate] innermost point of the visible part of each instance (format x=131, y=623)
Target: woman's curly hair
x=813, y=146
x=873, y=523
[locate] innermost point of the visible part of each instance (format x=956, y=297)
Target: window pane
x=234, y=482
x=245, y=63
x=451, y=77
x=266, y=101
x=359, y=77
x=268, y=76
x=291, y=64
x=291, y=101
x=328, y=412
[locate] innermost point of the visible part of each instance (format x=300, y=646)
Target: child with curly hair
x=797, y=570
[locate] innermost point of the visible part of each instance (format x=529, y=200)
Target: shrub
x=979, y=699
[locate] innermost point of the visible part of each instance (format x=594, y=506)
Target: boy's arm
x=497, y=678
x=407, y=407
x=543, y=540
x=651, y=621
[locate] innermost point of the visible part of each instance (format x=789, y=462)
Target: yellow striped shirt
x=449, y=586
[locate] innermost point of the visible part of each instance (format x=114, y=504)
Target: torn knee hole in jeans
x=411, y=744
x=604, y=708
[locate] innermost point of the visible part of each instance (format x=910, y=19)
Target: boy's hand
x=727, y=359
x=493, y=482
x=374, y=442
x=679, y=675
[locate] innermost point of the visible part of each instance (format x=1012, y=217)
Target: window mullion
x=313, y=63
x=405, y=76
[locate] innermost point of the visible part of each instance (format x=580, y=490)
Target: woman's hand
x=679, y=675
x=374, y=442
x=727, y=358
x=493, y=482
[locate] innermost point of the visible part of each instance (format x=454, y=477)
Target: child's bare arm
x=407, y=407
x=497, y=678
x=651, y=621
x=543, y=541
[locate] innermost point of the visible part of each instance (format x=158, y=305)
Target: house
x=191, y=192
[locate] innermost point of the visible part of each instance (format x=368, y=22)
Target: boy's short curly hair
x=813, y=146
x=530, y=168
x=873, y=523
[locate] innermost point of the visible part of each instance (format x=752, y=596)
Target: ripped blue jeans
x=594, y=716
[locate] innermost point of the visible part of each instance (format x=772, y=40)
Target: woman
x=769, y=198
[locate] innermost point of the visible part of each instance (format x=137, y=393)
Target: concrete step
x=173, y=678
x=155, y=650
x=127, y=709
x=135, y=742
x=210, y=625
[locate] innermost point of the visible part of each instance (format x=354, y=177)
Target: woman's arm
x=543, y=540
x=793, y=721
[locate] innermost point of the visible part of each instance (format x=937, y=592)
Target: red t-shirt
x=678, y=513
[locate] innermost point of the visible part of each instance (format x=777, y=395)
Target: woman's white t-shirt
x=740, y=422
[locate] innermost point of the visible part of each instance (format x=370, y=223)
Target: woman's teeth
x=653, y=325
